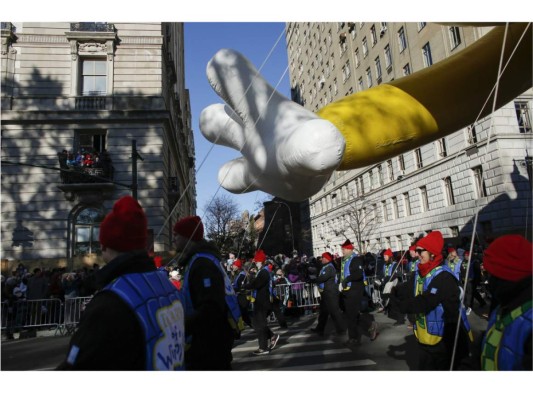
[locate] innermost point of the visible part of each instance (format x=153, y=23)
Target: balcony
x=86, y=183
x=91, y=27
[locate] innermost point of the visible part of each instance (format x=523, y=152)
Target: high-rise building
x=438, y=186
x=112, y=93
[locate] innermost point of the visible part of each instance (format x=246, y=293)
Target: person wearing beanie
x=352, y=280
x=328, y=287
x=240, y=278
x=434, y=296
x=507, y=343
x=212, y=315
x=261, y=285
x=414, y=261
x=121, y=327
x=453, y=262
x=387, y=277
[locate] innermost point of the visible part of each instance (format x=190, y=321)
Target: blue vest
x=236, y=279
x=158, y=306
x=388, y=269
x=455, y=268
x=323, y=271
x=345, y=272
x=429, y=328
x=505, y=339
x=234, y=316
x=413, y=265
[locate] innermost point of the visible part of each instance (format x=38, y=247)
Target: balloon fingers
x=235, y=176
x=220, y=125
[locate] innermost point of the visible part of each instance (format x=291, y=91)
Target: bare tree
x=360, y=219
x=221, y=218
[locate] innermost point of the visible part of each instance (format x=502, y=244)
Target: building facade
x=440, y=186
x=113, y=93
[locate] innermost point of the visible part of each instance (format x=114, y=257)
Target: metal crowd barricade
x=73, y=307
x=43, y=313
x=31, y=314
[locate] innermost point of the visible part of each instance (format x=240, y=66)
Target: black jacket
x=328, y=279
x=261, y=283
x=109, y=336
x=212, y=335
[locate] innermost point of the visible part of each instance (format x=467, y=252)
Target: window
x=426, y=55
x=407, y=204
x=94, y=77
x=384, y=210
x=471, y=136
x=91, y=141
x=390, y=170
x=346, y=71
x=86, y=231
x=406, y=69
x=371, y=179
x=523, y=115
x=479, y=183
x=421, y=26
x=373, y=35
x=395, y=208
x=441, y=145
x=424, y=201
x=450, y=200
x=378, y=68
x=356, y=54
x=401, y=163
x=335, y=88
x=454, y=231
x=369, y=77
x=388, y=57
x=382, y=29
x=455, y=36
x=418, y=158
x=343, y=47
x=360, y=86
x=402, y=40
x=380, y=175
x=365, y=47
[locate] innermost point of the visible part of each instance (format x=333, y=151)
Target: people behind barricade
x=136, y=319
x=212, y=316
x=387, y=277
x=261, y=287
x=433, y=295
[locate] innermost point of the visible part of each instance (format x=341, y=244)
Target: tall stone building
x=112, y=92
x=439, y=186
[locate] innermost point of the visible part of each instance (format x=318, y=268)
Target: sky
x=262, y=43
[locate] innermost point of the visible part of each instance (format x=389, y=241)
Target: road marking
x=241, y=349
x=325, y=366
x=291, y=355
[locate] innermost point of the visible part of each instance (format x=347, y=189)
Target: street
x=297, y=350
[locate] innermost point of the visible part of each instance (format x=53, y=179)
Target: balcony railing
x=91, y=27
x=101, y=173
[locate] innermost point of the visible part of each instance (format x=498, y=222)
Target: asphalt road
x=297, y=350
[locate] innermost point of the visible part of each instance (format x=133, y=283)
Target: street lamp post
x=290, y=219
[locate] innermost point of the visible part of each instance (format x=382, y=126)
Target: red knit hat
x=450, y=249
x=347, y=245
x=237, y=263
x=509, y=257
x=260, y=256
x=327, y=256
x=413, y=248
x=433, y=242
x=190, y=228
x=388, y=252
x=125, y=228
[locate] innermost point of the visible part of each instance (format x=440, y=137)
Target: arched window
x=86, y=231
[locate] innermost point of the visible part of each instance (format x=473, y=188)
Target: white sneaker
x=468, y=311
